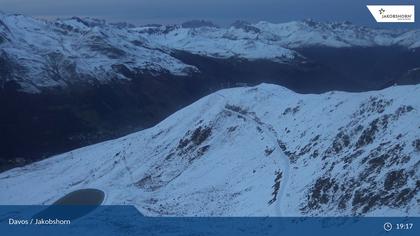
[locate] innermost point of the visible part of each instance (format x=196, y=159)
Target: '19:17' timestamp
x=404, y=226
x=399, y=226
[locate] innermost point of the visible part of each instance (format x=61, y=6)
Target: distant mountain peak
x=198, y=24
x=248, y=27
x=240, y=23
x=80, y=20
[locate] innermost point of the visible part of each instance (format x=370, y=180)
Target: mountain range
x=68, y=83
x=43, y=54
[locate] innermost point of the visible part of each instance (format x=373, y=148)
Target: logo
x=381, y=11
x=392, y=13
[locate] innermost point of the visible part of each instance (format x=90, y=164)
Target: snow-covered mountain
x=254, y=151
x=40, y=54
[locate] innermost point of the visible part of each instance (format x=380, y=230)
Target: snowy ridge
x=254, y=151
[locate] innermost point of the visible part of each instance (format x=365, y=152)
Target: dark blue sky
x=220, y=11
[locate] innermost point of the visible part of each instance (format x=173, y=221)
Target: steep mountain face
x=255, y=151
x=73, y=82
